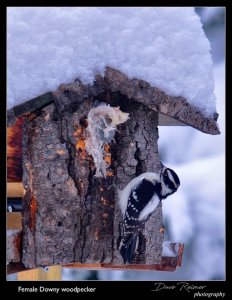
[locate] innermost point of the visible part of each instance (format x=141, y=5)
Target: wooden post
x=14, y=220
x=15, y=190
x=52, y=273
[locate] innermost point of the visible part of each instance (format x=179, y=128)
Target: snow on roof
x=166, y=47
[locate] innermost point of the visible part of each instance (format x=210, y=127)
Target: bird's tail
x=128, y=246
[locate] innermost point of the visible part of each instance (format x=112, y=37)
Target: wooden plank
x=15, y=189
x=180, y=254
x=167, y=264
x=52, y=274
x=33, y=104
x=14, y=151
x=83, y=266
x=14, y=220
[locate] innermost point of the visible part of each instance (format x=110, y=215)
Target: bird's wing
x=128, y=248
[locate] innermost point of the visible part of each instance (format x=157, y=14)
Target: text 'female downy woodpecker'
x=138, y=200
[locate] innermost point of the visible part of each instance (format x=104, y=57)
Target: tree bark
x=69, y=214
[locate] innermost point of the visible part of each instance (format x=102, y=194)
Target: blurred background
x=195, y=215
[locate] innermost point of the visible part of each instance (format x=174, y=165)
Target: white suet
x=102, y=125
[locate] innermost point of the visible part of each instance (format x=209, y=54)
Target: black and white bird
x=138, y=200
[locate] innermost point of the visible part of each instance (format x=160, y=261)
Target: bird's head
x=170, y=178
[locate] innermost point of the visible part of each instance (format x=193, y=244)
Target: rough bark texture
x=13, y=245
x=28, y=106
x=177, y=109
x=69, y=214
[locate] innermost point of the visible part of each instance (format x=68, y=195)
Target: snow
x=165, y=46
x=169, y=250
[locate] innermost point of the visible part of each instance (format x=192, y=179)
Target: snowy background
x=195, y=215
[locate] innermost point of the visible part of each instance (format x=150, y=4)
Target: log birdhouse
x=70, y=215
